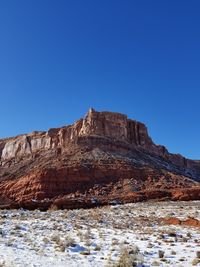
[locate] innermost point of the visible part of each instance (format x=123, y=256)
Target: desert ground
x=110, y=236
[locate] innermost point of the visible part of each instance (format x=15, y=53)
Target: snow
x=96, y=237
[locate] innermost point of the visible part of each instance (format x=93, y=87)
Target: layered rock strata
x=100, y=159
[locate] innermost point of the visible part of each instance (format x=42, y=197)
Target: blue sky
x=141, y=58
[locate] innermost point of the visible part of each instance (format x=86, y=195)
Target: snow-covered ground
x=97, y=237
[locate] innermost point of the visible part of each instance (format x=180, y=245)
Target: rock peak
x=91, y=110
x=115, y=125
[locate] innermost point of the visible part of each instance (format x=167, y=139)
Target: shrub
x=198, y=254
x=55, y=238
x=195, y=262
x=129, y=257
x=161, y=253
x=70, y=242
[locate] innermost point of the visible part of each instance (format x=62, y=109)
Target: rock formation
x=101, y=159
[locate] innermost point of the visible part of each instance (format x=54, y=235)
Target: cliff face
x=110, y=125
x=103, y=124
x=105, y=149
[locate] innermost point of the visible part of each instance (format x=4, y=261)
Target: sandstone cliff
x=102, y=158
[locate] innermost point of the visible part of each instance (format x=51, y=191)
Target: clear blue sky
x=141, y=58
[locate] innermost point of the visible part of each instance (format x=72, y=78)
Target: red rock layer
x=101, y=159
x=188, y=222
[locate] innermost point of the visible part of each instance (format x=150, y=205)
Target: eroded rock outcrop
x=102, y=124
x=101, y=158
x=191, y=222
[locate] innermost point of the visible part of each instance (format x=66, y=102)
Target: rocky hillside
x=101, y=159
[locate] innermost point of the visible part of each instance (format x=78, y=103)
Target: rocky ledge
x=103, y=158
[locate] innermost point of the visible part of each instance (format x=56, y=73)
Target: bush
x=161, y=253
x=129, y=257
